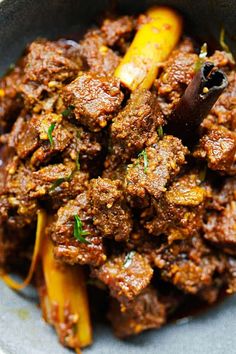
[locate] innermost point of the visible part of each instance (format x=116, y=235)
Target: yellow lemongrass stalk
x=66, y=301
x=152, y=44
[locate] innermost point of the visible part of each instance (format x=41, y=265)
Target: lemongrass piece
x=67, y=299
x=41, y=224
x=152, y=44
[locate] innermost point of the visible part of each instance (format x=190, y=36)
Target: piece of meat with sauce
x=179, y=212
x=220, y=225
x=48, y=66
x=17, y=208
x=134, y=127
x=111, y=215
x=150, y=173
x=224, y=110
x=10, y=98
x=96, y=54
x=126, y=275
x=218, y=147
x=95, y=99
x=67, y=248
x=119, y=31
x=58, y=183
x=189, y=264
x=146, y=311
x=177, y=73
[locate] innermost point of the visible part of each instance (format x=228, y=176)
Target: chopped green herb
x=50, y=130
x=160, y=132
x=128, y=259
x=78, y=230
x=77, y=163
x=57, y=183
x=225, y=46
x=201, y=57
x=145, y=159
x=67, y=112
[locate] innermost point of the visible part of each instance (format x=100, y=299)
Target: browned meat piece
x=10, y=100
x=177, y=73
x=134, y=127
x=218, y=147
x=220, y=227
x=154, y=168
x=178, y=213
x=224, y=110
x=17, y=208
x=111, y=214
x=146, y=311
x=15, y=245
x=189, y=264
x=95, y=98
x=125, y=275
x=116, y=31
x=97, y=55
x=221, y=59
x=67, y=248
x=58, y=183
x=48, y=65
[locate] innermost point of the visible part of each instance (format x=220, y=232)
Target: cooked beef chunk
x=15, y=245
x=146, y=311
x=220, y=224
x=16, y=205
x=179, y=212
x=98, y=57
x=154, y=168
x=224, y=110
x=10, y=99
x=177, y=73
x=48, y=65
x=189, y=264
x=67, y=248
x=116, y=31
x=134, y=127
x=58, y=183
x=125, y=275
x=111, y=214
x=94, y=98
x=218, y=147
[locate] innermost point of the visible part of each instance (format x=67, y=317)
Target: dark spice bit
x=196, y=102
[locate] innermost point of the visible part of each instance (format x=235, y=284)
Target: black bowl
x=22, y=330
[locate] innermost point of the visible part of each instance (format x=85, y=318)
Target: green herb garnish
x=78, y=230
x=145, y=159
x=201, y=57
x=50, y=130
x=160, y=132
x=67, y=112
x=128, y=259
x=225, y=46
x=57, y=183
x=77, y=163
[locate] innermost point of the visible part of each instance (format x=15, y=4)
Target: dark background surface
x=24, y=20
x=22, y=331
